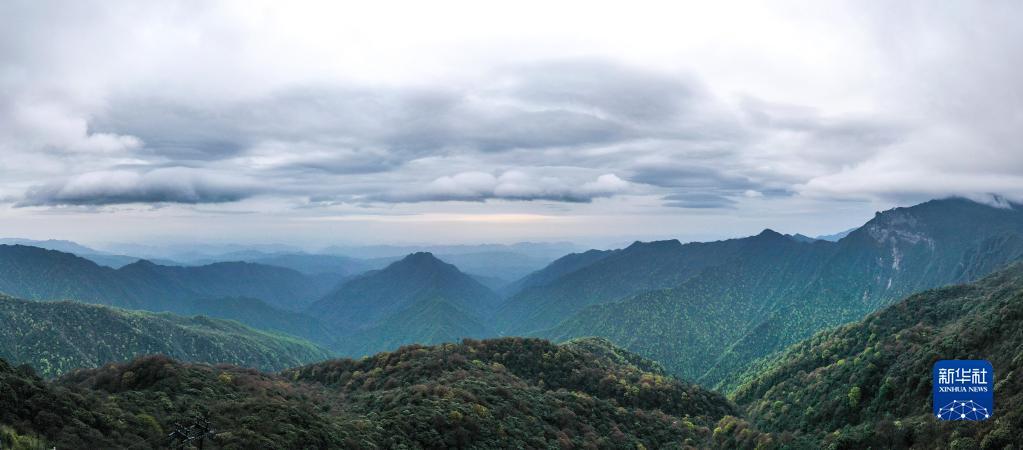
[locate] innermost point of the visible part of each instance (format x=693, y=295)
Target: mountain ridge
x=887, y=359
x=513, y=392
x=778, y=296
x=369, y=301
x=57, y=337
x=35, y=273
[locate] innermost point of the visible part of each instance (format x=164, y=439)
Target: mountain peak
x=421, y=256
x=769, y=233
x=799, y=237
x=421, y=259
x=368, y=300
x=140, y=264
x=656, y=245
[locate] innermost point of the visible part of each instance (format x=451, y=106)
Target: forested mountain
x=38, y=274
x=257, y=314
x=557, y=269
x=493, y=283
x=688, y=327
x=370, y=299
x=100, y=257
x=56, y=337
x=862, y=385
x=640, y=267
x=481, y=394
x=59, y=245
x=427, y=321
x=772, y=290
x=279, y=287
x=709, y=312
x=500, y=267
x=868, y=384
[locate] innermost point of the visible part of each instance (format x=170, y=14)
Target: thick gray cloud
x=676, y=175
x=296, y=136
x=611, y=90
x=345, y=109
x=510, y=185
x=698, y=200
x=409, y=122
x=172, y=185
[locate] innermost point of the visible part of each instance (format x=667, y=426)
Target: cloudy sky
x=456, y=122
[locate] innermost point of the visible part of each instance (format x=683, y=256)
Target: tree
x=854, y=396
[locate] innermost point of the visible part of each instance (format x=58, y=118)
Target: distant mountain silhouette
x=640, y=267
x=837, y=236
x=398, y=294
x=39, y=274
x=258, y=295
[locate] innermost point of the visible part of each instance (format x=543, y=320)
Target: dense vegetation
x=428, y=321
x=641, y=267
x=417, y=299
x=709, y=312
x=868, y=384
x=557, y=269
x=56, y=337
x=257, y=314
x=774, y=290
x=480, y=394
x=257, y=295
x=863, y=385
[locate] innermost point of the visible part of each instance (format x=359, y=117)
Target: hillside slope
x=257, y=314
x=640, y=267
x=774, y=290
x=426, y=322
x=517, y=393
x=688, y=327
x=886, y=359
x=366, y=301
x=56, y=337
x=555, y=270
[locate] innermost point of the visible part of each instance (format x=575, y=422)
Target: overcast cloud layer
x=454, y=121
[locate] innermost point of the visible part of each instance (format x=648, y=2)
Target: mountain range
x=35, y=273
x=57, y=337
x=756, y=295
x=417, y=299
x=818, y=343
x=861, y=385
x=705, y=309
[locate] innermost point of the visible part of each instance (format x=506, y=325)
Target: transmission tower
x=191, y=434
